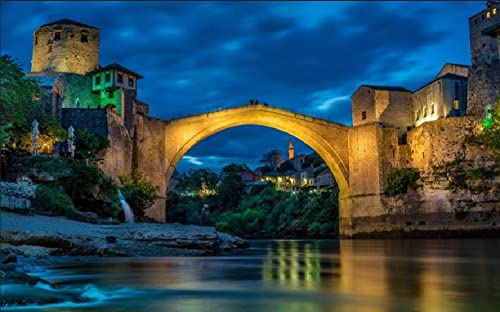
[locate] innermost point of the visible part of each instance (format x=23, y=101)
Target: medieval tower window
x=425, y=111
x=433, y=108
x=131, y=82
x=36, y=40
x=49, y=48
x=84, y=36
x=57, y=35
x=488, y=14
x=107, y=77
x=456, y=104
x=363, y=115
x=119, y=78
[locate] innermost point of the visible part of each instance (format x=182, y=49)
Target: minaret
x=290, y=150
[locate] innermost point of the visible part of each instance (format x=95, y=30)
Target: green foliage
x=263, y=212
x=192, y=181
x=139, y=193
x=271, y=159
x=229, y=191
x=18, y=96
x=399, y=181
x=53, y=199
x=91, y=190
x=20, y=105
x=490, y=135
x=4, y=135
x=88, y=144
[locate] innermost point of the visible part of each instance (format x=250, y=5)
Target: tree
x=139, y=193
x=88, y=144
x=20, y=105
x=194, y=179
x=18, y=96
x=271, y=159
x=230, y=188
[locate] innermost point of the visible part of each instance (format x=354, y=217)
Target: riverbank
x=41, y=236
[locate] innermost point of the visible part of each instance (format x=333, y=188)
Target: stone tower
x=290, y=150
x=65, y=46
x=484, y=75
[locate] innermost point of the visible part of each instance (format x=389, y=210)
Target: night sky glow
x=305, y=57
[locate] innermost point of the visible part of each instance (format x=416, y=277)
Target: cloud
x=304, y=57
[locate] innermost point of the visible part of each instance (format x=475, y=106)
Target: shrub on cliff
x=52, y=199
x=88, y=144
x=399, y=181
x=490, y=135
x=139, y=193
x=91, y=190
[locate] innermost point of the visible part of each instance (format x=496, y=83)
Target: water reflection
x=305, y=275
x=292, y=265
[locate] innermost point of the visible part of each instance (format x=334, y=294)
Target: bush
x=53, y=199
x=139, y=193
x=88, y=144
x=399, y=181
x=91, y=190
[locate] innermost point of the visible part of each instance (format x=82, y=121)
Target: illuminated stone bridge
x=160, y=145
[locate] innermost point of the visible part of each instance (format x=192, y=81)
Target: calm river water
x=294, y=275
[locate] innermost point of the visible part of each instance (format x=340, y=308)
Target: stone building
x=445, y=96
x=65, y=46
x=484, y=77
x=84, y=94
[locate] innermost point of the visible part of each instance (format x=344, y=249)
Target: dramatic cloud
x=305, y=57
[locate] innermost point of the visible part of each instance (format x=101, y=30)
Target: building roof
x=445, y=76
x=382, y=88
x=116, y=66
x=67, y=21
x=385, y=88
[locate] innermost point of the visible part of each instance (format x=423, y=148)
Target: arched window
x=77, y=103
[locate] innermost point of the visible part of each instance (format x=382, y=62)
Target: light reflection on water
x=297, y=275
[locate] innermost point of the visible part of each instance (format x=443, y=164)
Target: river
x=291, y=275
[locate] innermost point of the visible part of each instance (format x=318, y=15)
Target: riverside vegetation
x=261, y=212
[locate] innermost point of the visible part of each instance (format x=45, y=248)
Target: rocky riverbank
x=43, y=236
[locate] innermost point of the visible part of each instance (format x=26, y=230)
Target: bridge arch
x=328, y=139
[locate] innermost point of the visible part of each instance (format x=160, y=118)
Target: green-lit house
x=111, y=83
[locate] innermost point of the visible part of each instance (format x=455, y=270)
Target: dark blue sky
x=305, y=57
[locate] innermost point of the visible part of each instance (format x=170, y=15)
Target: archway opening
x=255, y=181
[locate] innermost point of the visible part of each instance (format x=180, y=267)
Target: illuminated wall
x=65, y=46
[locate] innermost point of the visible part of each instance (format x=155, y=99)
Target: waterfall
x=129, y=215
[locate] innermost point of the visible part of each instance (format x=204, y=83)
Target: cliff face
x=459, y=188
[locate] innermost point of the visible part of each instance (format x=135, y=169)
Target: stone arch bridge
x=160, y=144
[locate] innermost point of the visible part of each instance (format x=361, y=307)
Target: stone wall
x=150, y=158
x=484, y=76
x=67, y=54
x=437, y=142
x=95, y=120
x=117, y=159
x=363, y=100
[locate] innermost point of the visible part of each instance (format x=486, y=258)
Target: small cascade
x=129, y=215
